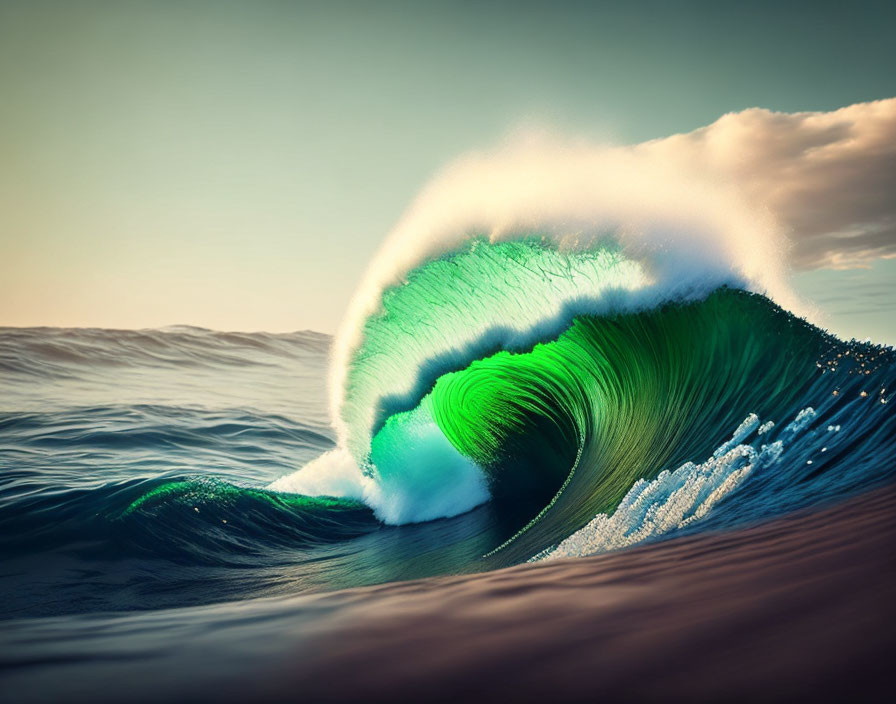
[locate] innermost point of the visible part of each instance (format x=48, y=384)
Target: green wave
x=551, y=381
x=564, y=430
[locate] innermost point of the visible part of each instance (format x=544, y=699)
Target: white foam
x=751, y=422
x=803, y=418
x=334, y=473
x=422, y=479
x=675, y=499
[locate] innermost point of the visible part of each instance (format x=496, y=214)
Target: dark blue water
x=134, y=507
x=133, y=467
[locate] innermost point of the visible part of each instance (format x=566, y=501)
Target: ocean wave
x=556, y=424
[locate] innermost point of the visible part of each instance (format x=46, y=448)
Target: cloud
x=829, y=178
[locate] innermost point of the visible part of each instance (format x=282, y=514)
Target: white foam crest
x=423, y=479
x=675, y=499
x=803, y=418
x=751, y=422
x=691, y=231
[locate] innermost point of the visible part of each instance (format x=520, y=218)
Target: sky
x=236, y=165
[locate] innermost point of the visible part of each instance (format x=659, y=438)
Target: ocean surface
x=158, y=480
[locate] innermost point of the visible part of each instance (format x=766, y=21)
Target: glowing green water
x=614, y=399
x=463, y=306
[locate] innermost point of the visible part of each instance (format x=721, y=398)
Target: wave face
x=591, y=404
x=616, y=400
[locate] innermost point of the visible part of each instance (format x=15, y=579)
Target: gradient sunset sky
x=235, y=165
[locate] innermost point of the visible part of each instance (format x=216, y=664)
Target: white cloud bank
x=828, y=178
